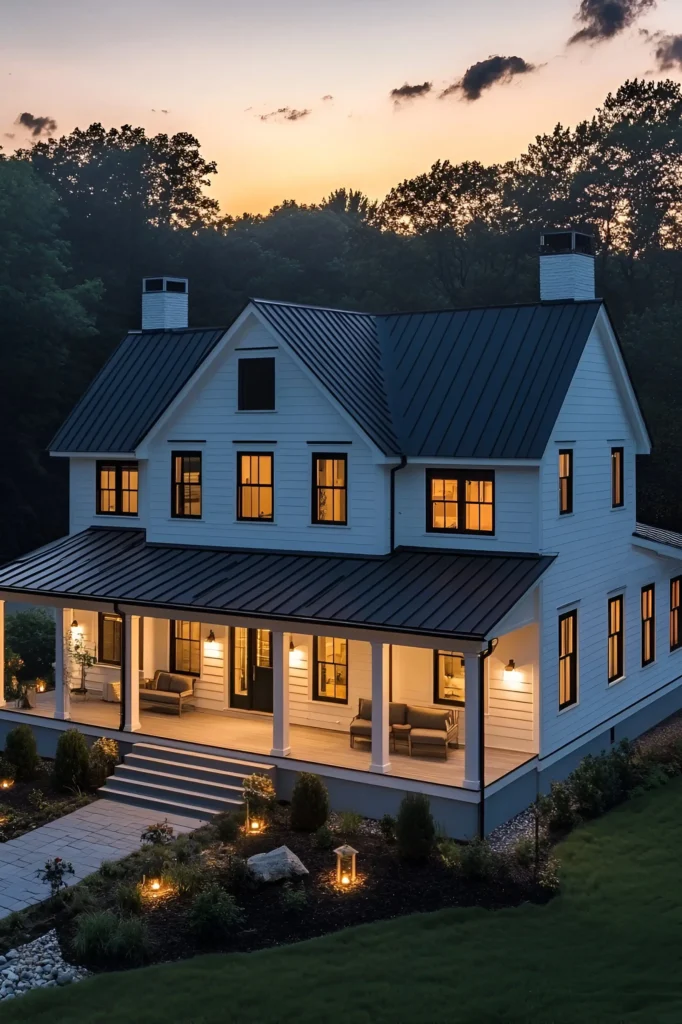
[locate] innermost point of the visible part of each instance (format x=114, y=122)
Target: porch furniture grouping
x=168, y=690
x=430, y=729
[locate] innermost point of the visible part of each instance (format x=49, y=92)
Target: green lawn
x=607, y=950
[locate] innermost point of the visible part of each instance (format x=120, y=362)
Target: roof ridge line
x=310, y=305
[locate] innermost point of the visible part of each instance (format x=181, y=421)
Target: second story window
x=256, y=384
x=648, y=624
x=616, y=637
x=675, y=596
x=186, y=487
x=255, y=486
x=565, y=481
x=330, y=489
x=117, y=488
x=568, y=659
x=460, y=502
x=617, y=478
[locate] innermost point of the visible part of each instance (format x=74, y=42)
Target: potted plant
x=82, y=654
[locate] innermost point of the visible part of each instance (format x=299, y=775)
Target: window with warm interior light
x=616, y=637
x=617, y=478
x=565, y=481
x=186, y=487
x=675, y=596
x=568, y=659
x=109, y=639
x=256, y=384
x=185, y=647
x=331, y=670
x=255, y=486
x=460, y=502
x=117, y=488
x=648, y=624
x=448, y=681
x=330, y=489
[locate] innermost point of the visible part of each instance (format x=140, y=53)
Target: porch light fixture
x=210, y=639
x=346, y=873
x=291, y=645
x=511, y=675
x=74, y=624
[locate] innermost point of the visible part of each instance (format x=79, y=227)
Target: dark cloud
x=327, y=97
x=668, y=51
x=285, y=114
x=486, y=73
x=37, y=125
x=604, y=19
x=9, y=135
x=410, y=92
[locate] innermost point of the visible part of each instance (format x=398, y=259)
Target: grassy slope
x=607, y=950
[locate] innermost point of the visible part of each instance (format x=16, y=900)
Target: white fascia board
x=440, y=460
x=607, y=335
x=652, y=547
x=93, y=455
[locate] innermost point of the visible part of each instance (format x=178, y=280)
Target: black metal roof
x=654, y=533
x=133, y=388
x=451, y=594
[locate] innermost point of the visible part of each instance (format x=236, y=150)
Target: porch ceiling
x=454, y=594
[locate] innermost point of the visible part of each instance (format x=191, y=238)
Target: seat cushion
x=156, y=697
x=180, y=684
x=397, y=713
x=163, y=682
x=426, y=718
x=360, y=728
x=428, y=736
x=365, y=709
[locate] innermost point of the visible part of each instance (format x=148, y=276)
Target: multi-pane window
x=448, y=678
x=255, y=488
x=186, y=487
x=648, y=624
x=568, y=659
x=675, y=595
x=565, y=481
x=331, y=670
x=256, y=384
x=117, y=488
x=330, y=489
x=240, y=660
x=185, y=647
x=617, y=478
x=461, y=502
x=110, y=639
x=616, y=635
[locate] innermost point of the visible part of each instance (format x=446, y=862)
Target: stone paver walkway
x=104, y=830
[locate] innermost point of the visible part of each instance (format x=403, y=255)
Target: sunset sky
x=216, y=66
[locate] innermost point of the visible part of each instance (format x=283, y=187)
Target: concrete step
x=158, y=805
x=221, y=787
x=165, y=790
x=192, y=757
x=171, y=767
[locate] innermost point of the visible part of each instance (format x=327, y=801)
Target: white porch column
x=62, y=668
x=3, y=702
x=472, y=713
x=280, y=695
x=380, y=733
x=131, y=674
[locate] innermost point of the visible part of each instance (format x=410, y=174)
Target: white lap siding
x=304, y=710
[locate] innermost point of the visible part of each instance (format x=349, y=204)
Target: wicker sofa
x=431, y=731
x=168, y=690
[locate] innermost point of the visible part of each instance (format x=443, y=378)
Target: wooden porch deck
x=252, y=734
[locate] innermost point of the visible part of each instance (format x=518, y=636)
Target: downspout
x=492, y=644
x=394, y=470
x=124, y=668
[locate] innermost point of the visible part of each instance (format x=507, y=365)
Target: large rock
x=279, y=863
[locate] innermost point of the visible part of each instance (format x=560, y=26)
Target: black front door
x=251, y=675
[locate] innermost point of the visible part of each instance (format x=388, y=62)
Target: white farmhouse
x=400, y=551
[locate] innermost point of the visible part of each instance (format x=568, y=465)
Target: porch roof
x=458, y=594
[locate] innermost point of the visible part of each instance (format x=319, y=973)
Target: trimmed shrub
x=293, y=898
x=324, y=838
x=387, y=826
x=22, y=753
x=451, y=853
x=186, y=850
x=112, y=869
x=104, y=756
x=309, y=803
x=72, y=761
x=478, y=862
x=415, y=828
x=214, y=915
x=349, y=823
x=226, y=826
x=523, y=852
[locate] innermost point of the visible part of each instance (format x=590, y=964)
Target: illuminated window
x=240, y=660
x=185, y=648
x=448, y=678
x=675, y=594
x=186, y=491
x=255, y=487
x=117, y=488
x=648, y=624
x=461, y=502
x=568, y=659
x=565, y=481
x=617, y=478
x=331, y=670
x=616, y=633
x=110, y=639
x=330, y=489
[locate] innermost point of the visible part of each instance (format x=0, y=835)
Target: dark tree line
x=83, y=218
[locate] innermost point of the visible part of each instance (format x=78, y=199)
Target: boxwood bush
x=309, y=803
x=415, y=828
x=22, y=753
x=72, y=761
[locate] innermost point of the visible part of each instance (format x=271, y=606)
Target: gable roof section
x=342, y=350
x=134, y=387
x=482, y=383
x=457, y=594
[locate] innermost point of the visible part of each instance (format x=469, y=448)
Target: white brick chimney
x=566, y=266
x=164, y=303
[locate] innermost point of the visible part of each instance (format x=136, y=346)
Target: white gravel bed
x=520, y=827
x=38, y=964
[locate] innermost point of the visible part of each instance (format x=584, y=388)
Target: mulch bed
x=22, y=809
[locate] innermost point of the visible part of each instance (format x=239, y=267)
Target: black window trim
x=241, y=407
x=573, y=659
x=618, y=450
x=437, y=654
x=118, y=465
x=338, y=457
x=172, y=654
x=569, y=488
x=101, y=616
x=461, y=475
x=255, y=519
x=179, y=484
x=316, y=677
x=677, y=612
x=620, y=639
x=645, y=623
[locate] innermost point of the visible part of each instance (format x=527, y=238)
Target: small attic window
x=256, y=384
x=176, y=286
x=153, y=284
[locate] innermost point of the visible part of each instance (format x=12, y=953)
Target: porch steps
x=174, y=781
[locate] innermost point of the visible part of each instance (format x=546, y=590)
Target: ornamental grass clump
x=22, y=753
x=72, y=762
x=415, y=828
x=309, y=803
x=102, y=939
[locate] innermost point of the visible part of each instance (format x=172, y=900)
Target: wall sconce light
x=511, y=675
x=211, y=637
x=345, y=865
x=74, y=624
x=291, y=645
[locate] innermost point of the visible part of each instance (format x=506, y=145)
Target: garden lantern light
x=346, y=873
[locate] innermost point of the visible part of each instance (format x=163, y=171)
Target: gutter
x=124, y=667
x=394, y=470
x=492, y=644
